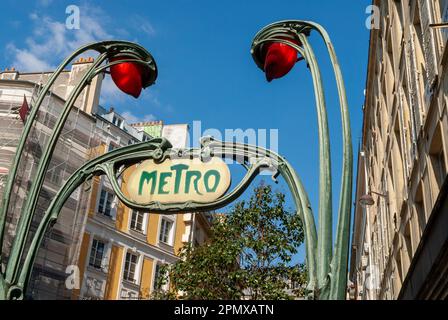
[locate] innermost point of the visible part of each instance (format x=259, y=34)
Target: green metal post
x=86, y=172
x=327, y=272
x=112, y=47
x=340, y=257
x=325, y=239
x=31, y=200
x=8, y=278
x=332, y=266
x=160, y=149
x=26, y=131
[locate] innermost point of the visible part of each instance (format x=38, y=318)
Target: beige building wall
x=131, y=252
x=403, y=154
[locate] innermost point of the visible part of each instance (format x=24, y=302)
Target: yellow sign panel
x=179, y=181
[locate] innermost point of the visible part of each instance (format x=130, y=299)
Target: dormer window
x=117, y=121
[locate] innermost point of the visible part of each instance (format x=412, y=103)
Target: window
x=96, y=254
x=199, y=236
x=399, y=271
x=418, y=62
x=130, y=267
x=437, y=159
x=105, y=205
x=117, y=121
x=166, y=227
x=157, y=278
x=111, y=147
x=138, y=221
x=438, y=166
x=408, y=249
x=420, y=209
x=443, y=5
x=3, y=177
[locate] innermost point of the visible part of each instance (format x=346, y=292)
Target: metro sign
x=178, y=181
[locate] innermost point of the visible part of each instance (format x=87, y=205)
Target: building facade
x=400, y=230
x=77, y=139
x=123, y=249
x=98, y=249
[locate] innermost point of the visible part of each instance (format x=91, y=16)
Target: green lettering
x=192, y=174
x=178, y=168
x=163, y=182
x=147, y=177
x=207, y=176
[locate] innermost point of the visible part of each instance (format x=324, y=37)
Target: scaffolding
x=60, y=246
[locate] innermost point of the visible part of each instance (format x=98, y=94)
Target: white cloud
x=110, y=93
x=90, y=28
x=149, y=117
x=45, y=3
x=141, y=24
x=131, y=118
x=51, y=41
x=26, y=60
x=150, y=96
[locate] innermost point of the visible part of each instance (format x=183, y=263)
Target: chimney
x=9, y=74
x=83, y=60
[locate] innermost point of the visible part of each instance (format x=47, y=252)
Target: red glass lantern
x=279, y=59
x=127, y=76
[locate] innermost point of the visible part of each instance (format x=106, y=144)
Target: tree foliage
x=249, y=255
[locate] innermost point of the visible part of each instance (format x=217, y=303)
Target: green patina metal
x=327, y=268
x=332, y=266
x=130, y=52
x=150, y=179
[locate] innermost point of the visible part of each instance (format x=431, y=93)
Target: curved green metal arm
x=112, y=47
x=264, y=159
x=106, y=49
x=339, y=264
x=32, y=199
x=130, y=154
x=325, y=239
x=337, y=278
x=253, y=158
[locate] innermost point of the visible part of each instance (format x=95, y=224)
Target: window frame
x=109, y=197
x=95, y=258
x=162, y=231
x=157, y=274
x=127, y=272
x=134, y=223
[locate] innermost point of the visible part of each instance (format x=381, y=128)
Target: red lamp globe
x=127, y=76
x=279, y=59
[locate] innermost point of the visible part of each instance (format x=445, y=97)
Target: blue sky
x=206, y=72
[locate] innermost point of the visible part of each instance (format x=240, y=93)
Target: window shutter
x=429, y=47
x=413, y=89
x=115, y=207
